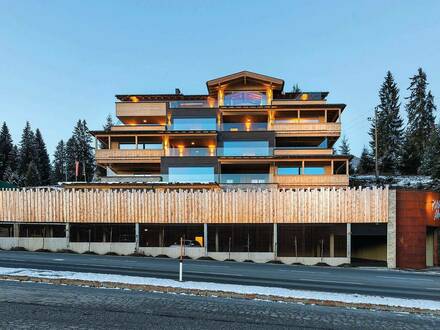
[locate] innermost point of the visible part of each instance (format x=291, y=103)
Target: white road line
x=433, y=289
x=407, y=279
x=301, y=271
x=58, y=259
x=326, y=281
x=205, y=273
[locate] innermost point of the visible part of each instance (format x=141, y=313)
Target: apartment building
x=245, y=130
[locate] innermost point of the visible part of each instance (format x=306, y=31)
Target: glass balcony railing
x=312, y=96
x=246, y=127
x=190, y=104
x=245, y=152
x=182, y=152
x=233, y=178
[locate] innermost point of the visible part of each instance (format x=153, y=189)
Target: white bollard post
x=181, y=261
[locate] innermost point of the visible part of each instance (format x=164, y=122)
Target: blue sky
x=65, y=60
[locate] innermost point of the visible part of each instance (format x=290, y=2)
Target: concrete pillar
x=349, y=242
x=275, y=240
x=16, y=230
x=332, y=245
x=67, y=234
x=205, y=238
x=136, y=237
x=391, y=230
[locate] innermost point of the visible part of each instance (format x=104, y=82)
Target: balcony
x=244, y=127
x=122, y=156
x=307, y=129
x=191, y=152
x=241, y=178
x=245, y=152
x=292, y=151
x=129, y=128
x=141, y=109
x=337, y=180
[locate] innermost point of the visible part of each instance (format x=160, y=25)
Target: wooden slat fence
x=349, y=205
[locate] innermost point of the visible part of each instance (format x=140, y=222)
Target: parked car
x=186, y=243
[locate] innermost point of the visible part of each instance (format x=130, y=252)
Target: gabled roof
x=276, y=83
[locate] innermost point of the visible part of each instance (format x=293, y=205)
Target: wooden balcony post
x=332, y=167
x=325, y=116
x=302, y=167
x=347, y=167
x=136, y=141
x=109, y=142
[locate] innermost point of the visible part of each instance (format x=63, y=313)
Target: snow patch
x=219, y=287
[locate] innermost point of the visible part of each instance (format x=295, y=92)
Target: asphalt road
x=38, y=305
x=381, y=282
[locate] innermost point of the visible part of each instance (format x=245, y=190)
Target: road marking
x=433, y=289
x=205, y=273
x=326, y=281
x=407, y=279
x=58, y=259
x=301, y=271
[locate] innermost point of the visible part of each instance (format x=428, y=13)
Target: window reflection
x=245, y=98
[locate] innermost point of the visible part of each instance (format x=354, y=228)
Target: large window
x=314, y=170
x=191, y=174
x=289, y=169
x=194, y=124
x=244, y=98
x=246, y=148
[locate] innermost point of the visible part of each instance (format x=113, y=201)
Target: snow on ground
x=408, y=181
x=239, y=289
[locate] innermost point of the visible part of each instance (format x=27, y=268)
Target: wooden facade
x=350, y=205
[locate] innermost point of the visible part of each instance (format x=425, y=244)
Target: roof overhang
x=244, y=76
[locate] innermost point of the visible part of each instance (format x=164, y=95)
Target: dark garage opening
x=369, y=244
x=168, y=235
x=48, y=231
x=240, y=238
x=102, y=233
x=312, y=240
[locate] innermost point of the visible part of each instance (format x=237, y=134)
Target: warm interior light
x=193, y=143
x=181, y=149
x=304, y=97
x=134, y=99
x=211, y=150
x=144, y=120
x=248, y=124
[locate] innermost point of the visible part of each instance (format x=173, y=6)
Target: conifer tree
x=108, y=123
x=420, y=110
x=296, y=89
x=59, y=173
x=366, y=163
x=6, y=150
x=431, y=157
x=42, y=161
x=389, y=127
x=32, y=177
x=344, y=149
x=27, y=152
x=79, y=149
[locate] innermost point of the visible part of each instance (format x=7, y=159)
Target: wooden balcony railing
x=337, y=180
x=118, y=155
x=131, y=109
x=328, y=129
x=125, y=128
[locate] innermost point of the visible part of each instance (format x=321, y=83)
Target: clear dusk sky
x=65, y=60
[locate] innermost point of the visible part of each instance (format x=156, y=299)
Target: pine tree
x=431, y=156
x=59, y=173
x=420, y=110
x=296, y=89
x=344, y=149
x=42, y=161
x=108, y=123
x=27, y=153
x=11, y=173
x=32, y=177
x=389, y=127
x=366, y=163
x=79, y=149
x=6, y=149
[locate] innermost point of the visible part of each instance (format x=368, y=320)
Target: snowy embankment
x=213, y=289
